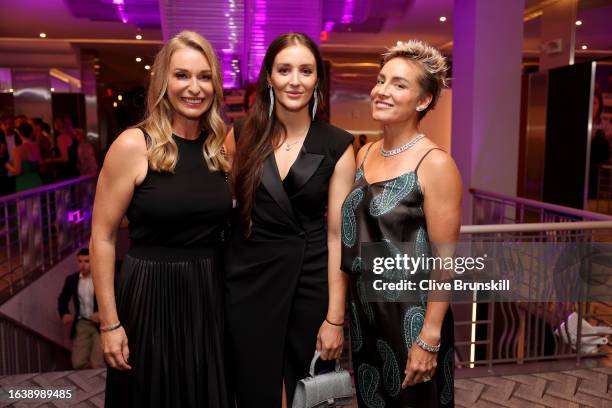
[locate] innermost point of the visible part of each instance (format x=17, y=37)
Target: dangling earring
x=316, y=101
x=271, y=101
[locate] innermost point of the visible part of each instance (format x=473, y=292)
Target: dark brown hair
x=261, y=134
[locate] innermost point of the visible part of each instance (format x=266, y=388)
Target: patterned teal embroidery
x=357, y=266
x=356, y=337
x=391, y=275
x=413, y=322
x=391, y=373
x=392, y=193
x=349, y=221
x=446, y=395
x=367, y=308
x=359, y=174
x=367, y=380
x=421, y=243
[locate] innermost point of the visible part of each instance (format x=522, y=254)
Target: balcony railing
x=39, y=227
x=24, y=351
x=499, y=334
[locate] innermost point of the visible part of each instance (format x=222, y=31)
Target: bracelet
x=110, y=327
x=427, y=347
x=334, y=324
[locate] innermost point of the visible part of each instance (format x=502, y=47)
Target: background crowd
x=32, y=154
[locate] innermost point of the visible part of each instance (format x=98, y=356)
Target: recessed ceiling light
x=442, y=19
x=139, y=37
x=119, y=97
x=147, y=67
x=52, y=89
x=97, y=66
x=138, y=59
x=584, y=47
x=578, y=22
x=43, y=35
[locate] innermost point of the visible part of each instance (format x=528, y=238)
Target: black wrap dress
x=276, y=281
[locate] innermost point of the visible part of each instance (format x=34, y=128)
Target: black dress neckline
x=198, y=139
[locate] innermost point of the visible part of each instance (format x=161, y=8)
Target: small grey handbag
x=324, y=390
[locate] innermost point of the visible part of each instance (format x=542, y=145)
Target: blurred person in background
x=7, y=140
x=45, y=144
x=26, y=160
x=84, y=322
x=86, y=163
x=66, y=152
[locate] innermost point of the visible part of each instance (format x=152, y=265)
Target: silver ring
x=426, y=378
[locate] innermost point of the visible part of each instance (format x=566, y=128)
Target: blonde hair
x=162, y=151
x=433, y=66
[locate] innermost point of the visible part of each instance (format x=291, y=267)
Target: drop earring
x=271, y=101
x=316, y=102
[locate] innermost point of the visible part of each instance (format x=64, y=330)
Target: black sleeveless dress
x=384, y=328
x=276, y=281
x=169, y=290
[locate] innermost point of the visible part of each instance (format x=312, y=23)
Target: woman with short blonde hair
x=407, y=199
x=162, y=332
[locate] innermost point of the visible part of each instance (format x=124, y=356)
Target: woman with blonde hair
x=406, y=197
x=162, y=334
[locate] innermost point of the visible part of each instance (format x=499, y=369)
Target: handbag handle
x=317, y=355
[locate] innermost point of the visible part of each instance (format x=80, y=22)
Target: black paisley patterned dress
x=383, y=329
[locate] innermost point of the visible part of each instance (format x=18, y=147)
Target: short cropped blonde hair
x=432, y=63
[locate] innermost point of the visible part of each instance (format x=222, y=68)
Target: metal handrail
x=23, y=350
x=42, y=189
x=572, y=212
x=31, y=331
x=536, y=227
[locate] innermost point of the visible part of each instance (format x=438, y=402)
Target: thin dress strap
x=422, y=158
x=366, y=154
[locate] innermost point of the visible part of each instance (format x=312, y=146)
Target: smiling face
x=397, y=92
x=294, y=77
x=190, y=88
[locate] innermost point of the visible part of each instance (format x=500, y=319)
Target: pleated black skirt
x=170, y=304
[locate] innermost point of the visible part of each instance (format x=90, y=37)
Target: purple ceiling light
x=142, y=13
x=119, y=5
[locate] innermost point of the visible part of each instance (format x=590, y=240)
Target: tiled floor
x=562, y=389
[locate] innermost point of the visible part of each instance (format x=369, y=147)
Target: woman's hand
x=421, y=364
x=330, y=341
x=115, y=348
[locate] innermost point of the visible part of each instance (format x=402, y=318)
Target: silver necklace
x=289, y=146
x=402, y=148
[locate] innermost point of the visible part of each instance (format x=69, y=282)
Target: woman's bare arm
x=330, y=337
x=125, y=166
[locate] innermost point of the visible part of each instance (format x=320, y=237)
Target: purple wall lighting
x=267, y=19
x=76, y=217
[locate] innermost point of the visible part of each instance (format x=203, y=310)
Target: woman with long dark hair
x=162, y=334
x=285, y=293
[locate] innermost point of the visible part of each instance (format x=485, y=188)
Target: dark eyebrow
x=207, y=71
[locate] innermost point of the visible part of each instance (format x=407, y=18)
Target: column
x=486, y=83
